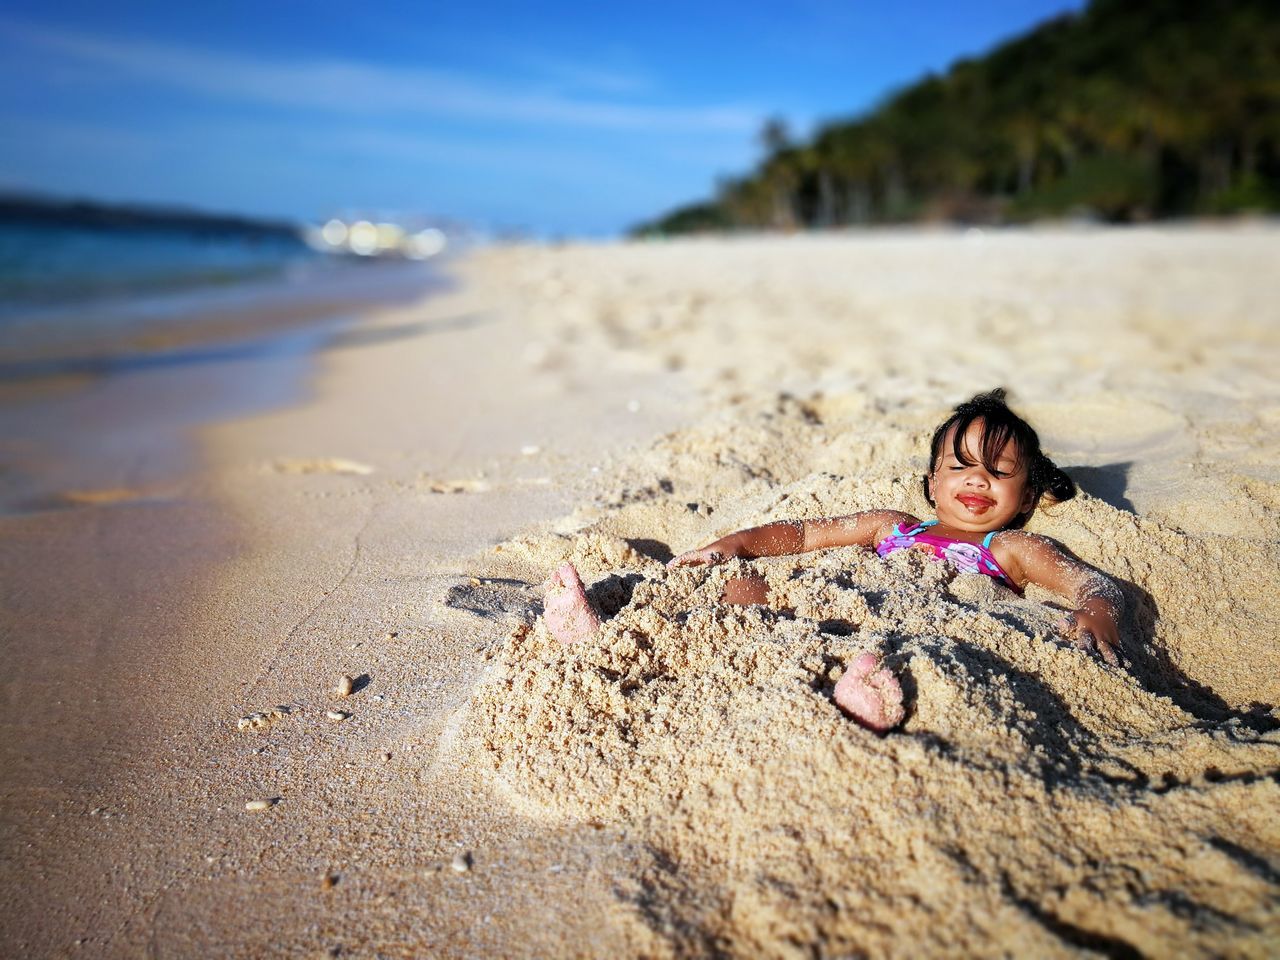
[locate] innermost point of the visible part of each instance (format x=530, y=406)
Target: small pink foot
x=565, y=607
x=870, y=695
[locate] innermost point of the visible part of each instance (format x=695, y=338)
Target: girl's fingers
x=1084, y=639
x=1108, y=653
x=1070, y=628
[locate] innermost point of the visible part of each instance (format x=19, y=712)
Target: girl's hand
x=1093, y=632
x=703, y=556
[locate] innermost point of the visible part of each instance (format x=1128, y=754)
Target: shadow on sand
x=1150, y=663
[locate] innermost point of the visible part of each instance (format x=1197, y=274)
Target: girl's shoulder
x=1014, y=550
x=886, y=521
x=1023, y=542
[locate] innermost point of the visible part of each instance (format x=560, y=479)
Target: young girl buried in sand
x=986, y=477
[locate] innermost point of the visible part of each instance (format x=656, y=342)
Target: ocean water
x=44, y=265
x=85, y=299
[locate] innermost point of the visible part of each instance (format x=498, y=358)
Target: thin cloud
x=586, y=76
x=349, y=86
x=585, y=170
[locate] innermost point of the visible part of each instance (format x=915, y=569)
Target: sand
x=684, y=785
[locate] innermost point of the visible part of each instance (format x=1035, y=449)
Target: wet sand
x=685, y=786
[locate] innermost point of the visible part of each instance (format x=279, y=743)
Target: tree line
x=1125, y=111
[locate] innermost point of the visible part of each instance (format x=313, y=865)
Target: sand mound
x=1023, y=769
x=1034, y=797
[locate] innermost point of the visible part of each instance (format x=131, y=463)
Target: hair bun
x=984, y=403
x=996, y=395
x=1058, y=485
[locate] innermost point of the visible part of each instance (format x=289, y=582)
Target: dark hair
x=999, y=426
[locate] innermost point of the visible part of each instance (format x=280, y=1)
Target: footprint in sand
x=105, y=497
x=494, y=598
x=261, y=719
x=477, y=485
x=453, y=486
x=322, y=465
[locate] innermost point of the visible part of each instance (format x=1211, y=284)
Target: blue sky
x=559, y=118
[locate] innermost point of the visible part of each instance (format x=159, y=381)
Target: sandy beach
x=684, y=785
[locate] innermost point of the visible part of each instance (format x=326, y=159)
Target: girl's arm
x=797, y=536
x=1094, y=623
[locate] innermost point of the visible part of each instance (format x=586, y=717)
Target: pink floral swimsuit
x=965, y=557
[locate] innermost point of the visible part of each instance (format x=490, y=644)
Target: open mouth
x=974, y=502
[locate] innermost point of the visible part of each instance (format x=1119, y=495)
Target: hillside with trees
x=1125, y=111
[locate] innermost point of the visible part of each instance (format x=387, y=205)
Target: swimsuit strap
x=928, y=523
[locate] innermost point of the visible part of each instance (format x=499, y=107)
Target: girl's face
x=973, y=498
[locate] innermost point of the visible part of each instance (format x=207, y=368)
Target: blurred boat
x=365, y=238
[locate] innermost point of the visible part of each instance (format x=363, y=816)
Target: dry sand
x=684, y=786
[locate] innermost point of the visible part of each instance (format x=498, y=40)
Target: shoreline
x=112, y=407
x=37, y=340
x=672, y=790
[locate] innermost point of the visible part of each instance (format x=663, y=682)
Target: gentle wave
x=52, y=264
